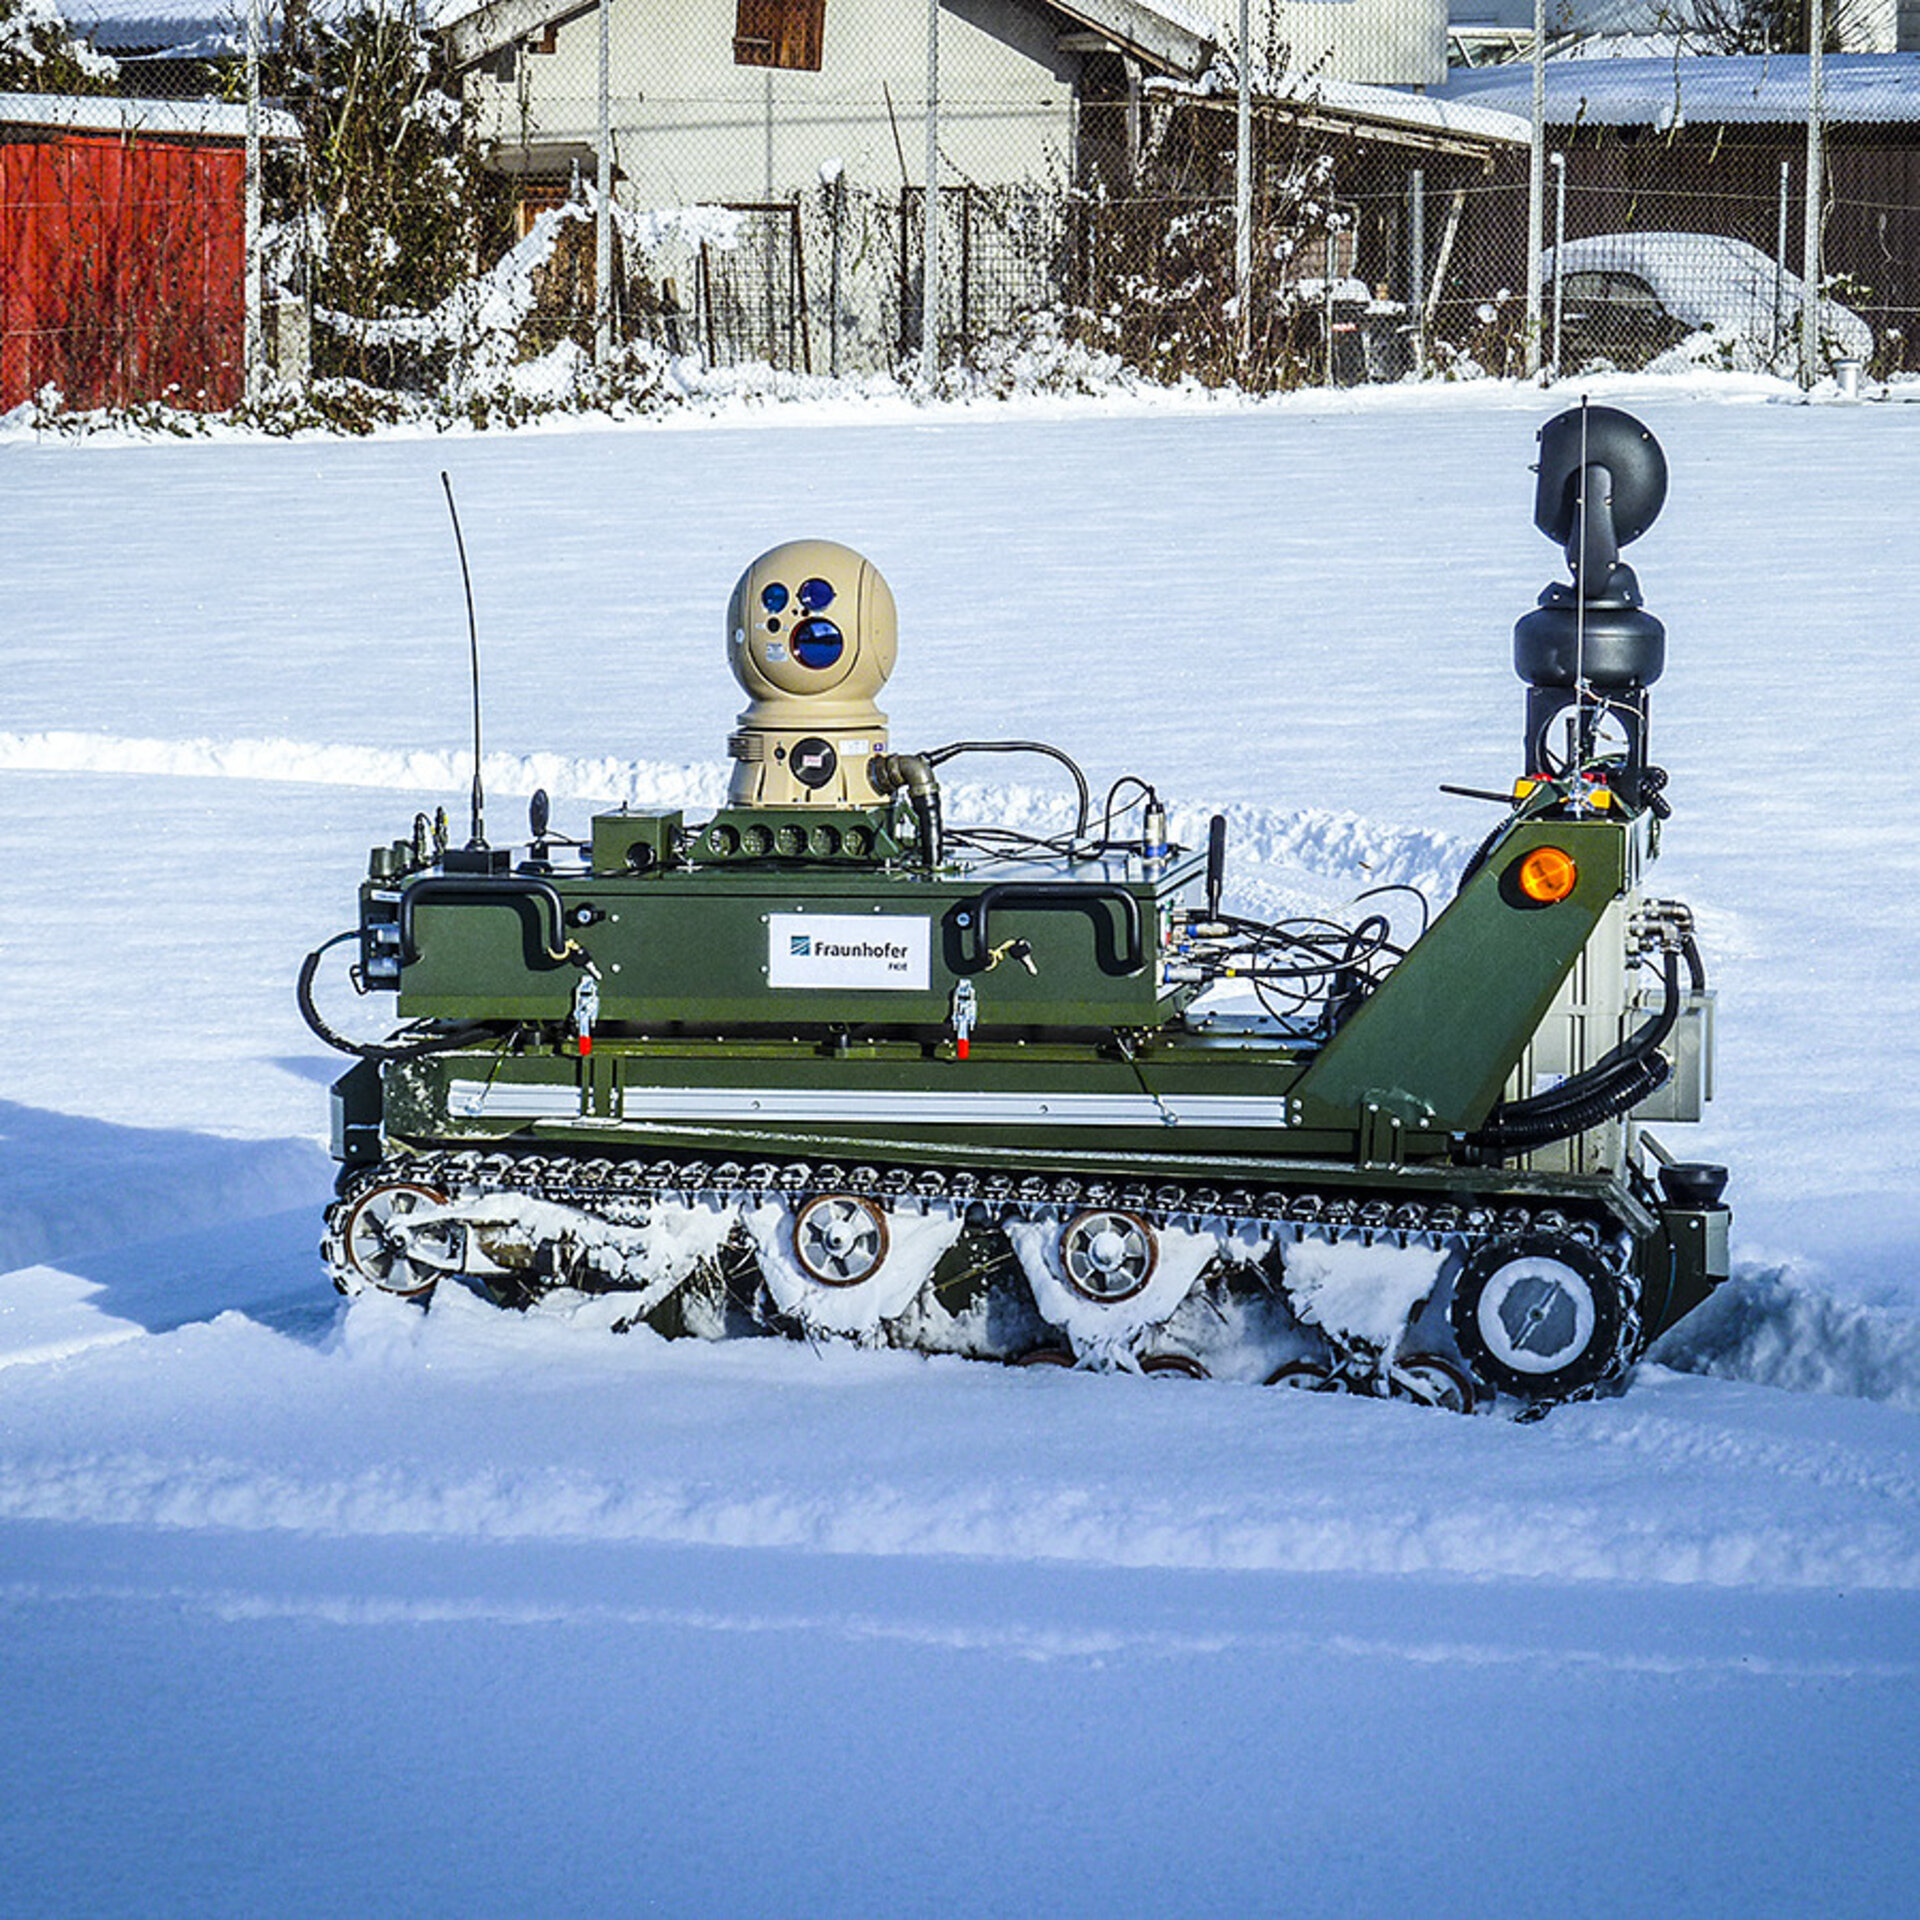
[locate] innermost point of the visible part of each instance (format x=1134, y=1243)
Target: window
x=779, y=33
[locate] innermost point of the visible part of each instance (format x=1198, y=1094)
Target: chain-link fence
x=507, y=202
x=1696, y=185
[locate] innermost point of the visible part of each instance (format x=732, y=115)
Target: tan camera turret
x=811, y=636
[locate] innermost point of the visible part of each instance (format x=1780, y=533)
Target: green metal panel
x=704, y=948
x=1445, y=1031
x=636, y=839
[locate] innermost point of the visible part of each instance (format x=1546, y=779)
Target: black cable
x=953, y=748
x=1306, y=968
x=1426, y=909
x=1008, y=843
x=1106, y=810
x=1480, y=853
x=390, y=1050
x=1696, y=967
x=1624, y=1092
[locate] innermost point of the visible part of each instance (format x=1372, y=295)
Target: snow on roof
x=197, y=119
x=1381, y=106
x=1174, y=35
x=1564, y=17
x=1758, y=89
x=135, y=26
x=172, y=29
x=1416, y=110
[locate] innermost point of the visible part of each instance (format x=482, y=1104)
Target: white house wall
x=689, y=125
x=1390, y=43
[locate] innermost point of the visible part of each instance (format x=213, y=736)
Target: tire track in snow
x=1028, y=1643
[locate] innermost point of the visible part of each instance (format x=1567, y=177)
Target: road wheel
x=840, y=1239
x=1304, y=1376
x=1433, y=1382
x=1107, y=1257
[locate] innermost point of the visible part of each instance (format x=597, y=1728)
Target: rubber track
x=595, y=1184
x=585, y=1183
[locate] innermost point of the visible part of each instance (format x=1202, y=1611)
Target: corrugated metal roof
x=178, y=29
x=1738, y=89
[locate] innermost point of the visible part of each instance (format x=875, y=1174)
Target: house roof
x=1174, y=38
x=1166, y=34
x=1741, y=89
x=1351, y=106
x=176, y=119
x=172, y=29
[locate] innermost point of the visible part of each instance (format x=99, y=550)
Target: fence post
x=603, y=212
x=1243, y=193
x=1536, y=186
x=1417, y=266
x=1810, y=250
x=837, y=204
x=255, y=343
x=966, y=268
x=1559, y=243
x=798, y=302
x=930, y=215
x=1779, y=341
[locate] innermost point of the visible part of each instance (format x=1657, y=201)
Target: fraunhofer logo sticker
x=859, y=950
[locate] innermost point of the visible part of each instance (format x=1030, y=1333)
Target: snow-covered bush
x=40, y=53
x=388, y=199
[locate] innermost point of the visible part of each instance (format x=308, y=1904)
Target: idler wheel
x=1540, y=1314
x=839, y=1239
x=1432, y=1381
x=1107, y=1257
x=376, y=1248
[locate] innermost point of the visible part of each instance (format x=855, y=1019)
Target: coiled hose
x=1616, y=1082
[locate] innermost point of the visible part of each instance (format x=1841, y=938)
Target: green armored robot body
x=825, y=1063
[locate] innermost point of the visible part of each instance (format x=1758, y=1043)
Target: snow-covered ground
x=306, y=1608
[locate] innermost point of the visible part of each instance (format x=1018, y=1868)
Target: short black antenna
x=479, y=836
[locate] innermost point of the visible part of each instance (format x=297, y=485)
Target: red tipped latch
x=586, y=1008
x=963, y=1012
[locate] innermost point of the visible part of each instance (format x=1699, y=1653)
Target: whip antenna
x=1577, y=747
x=478, y=837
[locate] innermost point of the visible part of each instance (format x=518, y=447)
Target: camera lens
x=817, y=643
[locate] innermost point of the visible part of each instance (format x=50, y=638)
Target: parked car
x=1668, y=300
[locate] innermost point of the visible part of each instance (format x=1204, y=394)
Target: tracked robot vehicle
x=825, y=1064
